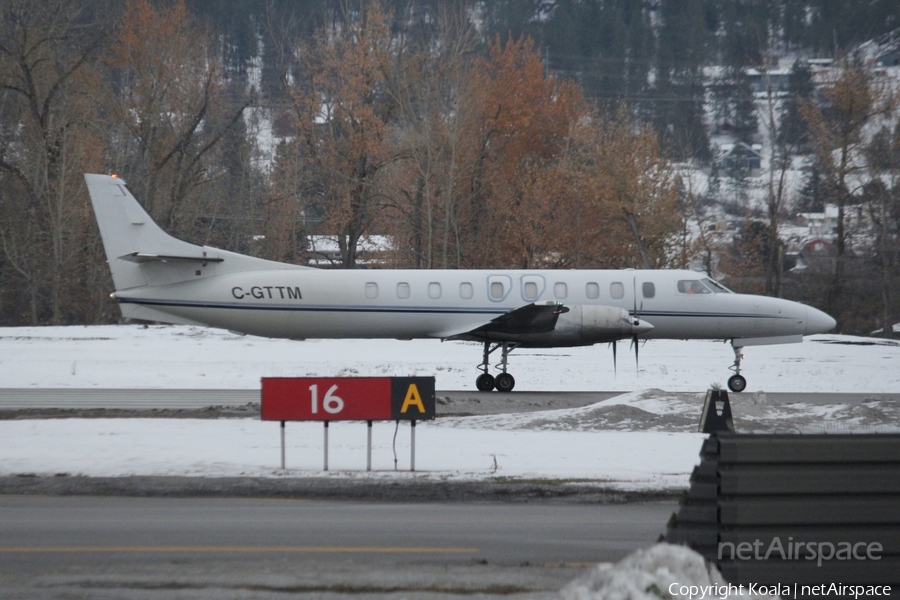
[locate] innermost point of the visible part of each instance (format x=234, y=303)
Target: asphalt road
x=448, y=402
x=115, y=547
x=163, y=402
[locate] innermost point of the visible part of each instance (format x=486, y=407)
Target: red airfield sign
x=347, y=398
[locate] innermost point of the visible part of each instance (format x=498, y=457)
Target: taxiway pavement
x=110, y=547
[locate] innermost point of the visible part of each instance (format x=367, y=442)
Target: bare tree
x=883, y=201
x=49, y=140
x=171, y=108
x=432, y=137
x=850, y=103
x=781, y=154
x=343, y=106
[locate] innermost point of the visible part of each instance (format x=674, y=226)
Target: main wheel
x=505, y=382
x=737, y=383
x=485, y=382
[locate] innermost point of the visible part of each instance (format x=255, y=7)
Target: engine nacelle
x=583, y=325
x=593, y=324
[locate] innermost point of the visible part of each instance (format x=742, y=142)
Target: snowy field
x=573, y=444
x=171, y=356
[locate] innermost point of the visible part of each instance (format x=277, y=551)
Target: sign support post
x=282, y=445
x=412, y=445
x=369, y=446
x=326, y=445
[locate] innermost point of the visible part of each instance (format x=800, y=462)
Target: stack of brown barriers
x=798, y=510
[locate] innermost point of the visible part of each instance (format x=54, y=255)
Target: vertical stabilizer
x=129, y=234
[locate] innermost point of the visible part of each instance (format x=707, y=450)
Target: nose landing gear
x=737, y=383
x=504, y=382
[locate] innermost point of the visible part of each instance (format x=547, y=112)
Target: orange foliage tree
x=343, y=106
x=532, y=178
x=625, y=196
x=467, y=160
x=522, y=129
x=172, y=109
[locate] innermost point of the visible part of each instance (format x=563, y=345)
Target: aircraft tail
x=131, y=239
x=140, y=253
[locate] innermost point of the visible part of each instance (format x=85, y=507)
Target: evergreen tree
x=794, y=128
x=839, y=25
x=745, y=28
x=814, y=193
x=746, y=123
x=679, y=89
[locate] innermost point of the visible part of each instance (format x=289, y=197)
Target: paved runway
x=103, y=547
x=448, y=401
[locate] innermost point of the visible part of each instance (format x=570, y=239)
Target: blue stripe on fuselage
x=646, y=314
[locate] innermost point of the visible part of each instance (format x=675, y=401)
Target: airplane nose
x=639, y=326
x=818, y=322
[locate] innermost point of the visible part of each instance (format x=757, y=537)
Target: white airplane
x=160, y=278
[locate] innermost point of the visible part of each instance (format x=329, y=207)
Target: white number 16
x=331, y=403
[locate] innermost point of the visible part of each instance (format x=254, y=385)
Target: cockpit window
x=716, y=287
x=692, y=286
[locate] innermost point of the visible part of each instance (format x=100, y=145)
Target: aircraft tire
x=505, y=382
x=737, y=383
x=485, y=382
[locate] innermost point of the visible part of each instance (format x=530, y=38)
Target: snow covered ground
x=640, y=440
x=164, y=356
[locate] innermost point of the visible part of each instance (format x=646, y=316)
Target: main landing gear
x=504, y=382
x=737, y=383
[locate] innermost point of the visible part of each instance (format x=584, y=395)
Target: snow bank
x=662, y=571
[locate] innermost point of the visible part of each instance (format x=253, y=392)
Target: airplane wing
x=531, y=318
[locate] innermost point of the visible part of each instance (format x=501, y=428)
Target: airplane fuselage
x=311, y=303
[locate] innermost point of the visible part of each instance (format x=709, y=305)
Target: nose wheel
x=504, y=382
x=737, y=383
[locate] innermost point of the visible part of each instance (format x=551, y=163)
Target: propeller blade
x=615, y=372
x=637, y=317
x=637, y=362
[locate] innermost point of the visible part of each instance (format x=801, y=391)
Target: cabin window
x=592, y=290
x=530, y=290
x=371, y=291
x=692, y=286
x=466, y=291
x=617, y=290
x=648, y=289
x=434, y=290
x=560, y=290
x=403, y=291
x=496, y=290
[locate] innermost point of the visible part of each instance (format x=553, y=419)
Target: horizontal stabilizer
x=143, y=257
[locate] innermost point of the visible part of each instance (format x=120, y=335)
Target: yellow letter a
x=413, y=398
